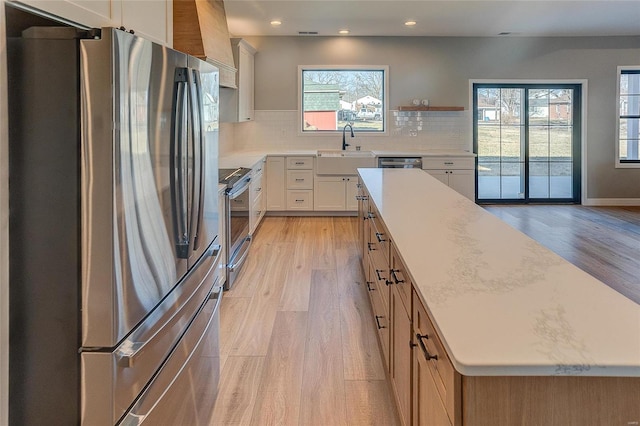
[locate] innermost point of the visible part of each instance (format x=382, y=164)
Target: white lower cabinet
x=456, y=172
x=257, y=198
x=300, y=199
x=335, y=193
x=299, y=183
x=461, y=181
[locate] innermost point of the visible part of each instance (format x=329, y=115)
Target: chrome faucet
x=344, y=139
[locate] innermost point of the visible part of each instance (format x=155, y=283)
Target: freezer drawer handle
x=128, y=355
x=214, y=250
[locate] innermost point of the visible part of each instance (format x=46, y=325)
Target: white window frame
x=385, y=98
x=620, y=164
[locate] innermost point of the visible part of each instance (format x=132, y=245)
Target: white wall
x=439, y=69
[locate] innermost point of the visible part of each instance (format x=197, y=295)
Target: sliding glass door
x=527, y=138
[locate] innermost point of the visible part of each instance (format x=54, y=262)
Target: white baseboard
x=611, y=202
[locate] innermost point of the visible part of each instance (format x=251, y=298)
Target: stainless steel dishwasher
x=400, y=162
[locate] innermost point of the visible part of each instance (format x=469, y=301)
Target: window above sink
x=330, y=97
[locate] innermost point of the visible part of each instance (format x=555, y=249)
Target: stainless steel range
x=237, y=239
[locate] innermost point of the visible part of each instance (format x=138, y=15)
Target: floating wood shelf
x=430, y=108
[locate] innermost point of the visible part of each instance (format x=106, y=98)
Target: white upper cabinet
x=151, y=19
x=238, y=104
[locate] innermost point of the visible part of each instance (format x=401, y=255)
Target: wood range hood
x=200, y=29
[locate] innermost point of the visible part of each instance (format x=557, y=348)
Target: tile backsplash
x=278, y=130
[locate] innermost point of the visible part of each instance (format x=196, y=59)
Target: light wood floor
x=298, y=344
x=603, y=241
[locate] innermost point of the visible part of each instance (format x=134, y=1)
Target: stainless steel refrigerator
x=114, y=249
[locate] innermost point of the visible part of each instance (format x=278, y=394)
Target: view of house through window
x=527, y=137
x=629, y=116
x=332, y=98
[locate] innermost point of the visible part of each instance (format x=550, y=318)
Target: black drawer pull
x=378, y=321
x=395, y=277
x=379, y=237
x=369, y=286
x=370, y=246
x=427, y=355
x=380, y=278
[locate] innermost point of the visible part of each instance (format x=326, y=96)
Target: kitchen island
x=530, y=338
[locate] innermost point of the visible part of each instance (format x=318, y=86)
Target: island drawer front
x=305, y=163
x=299, y=179
x=380, y=264
x=380, y=310
x=448, y=163
x=379, y=235
x=300, y=200
x=447, y=380
x=400, y=279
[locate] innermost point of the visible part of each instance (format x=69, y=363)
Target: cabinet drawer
x=300, y=200
x=447, y=380
x=400, y=279
x=379, y=272
x=256, y=189
x=379, y=237
x=448, y=163
x=380, y=310
x=305, y=163
x=299, y=179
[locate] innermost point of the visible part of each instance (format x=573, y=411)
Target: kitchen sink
x=338, y=162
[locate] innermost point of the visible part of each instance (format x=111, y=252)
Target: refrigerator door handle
x=194, y=189
x=199, y=144
x=178, y=169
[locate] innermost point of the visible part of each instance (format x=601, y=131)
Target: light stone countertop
x=502, y=303
x=250, y=158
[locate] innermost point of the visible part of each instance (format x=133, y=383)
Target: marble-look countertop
x=502, y=303
x=250, y=158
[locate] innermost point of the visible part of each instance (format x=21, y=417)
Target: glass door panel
x=525, y=140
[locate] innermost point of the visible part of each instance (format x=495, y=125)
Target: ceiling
x=435, y=18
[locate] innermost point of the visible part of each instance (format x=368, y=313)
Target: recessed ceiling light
x=410, y=23
x=276, y=23
x=344, y=31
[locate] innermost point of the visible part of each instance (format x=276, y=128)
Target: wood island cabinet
x=401, y=348
x=427, y=388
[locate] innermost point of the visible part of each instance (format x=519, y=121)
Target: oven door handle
x=241, y=255
x=236, y=192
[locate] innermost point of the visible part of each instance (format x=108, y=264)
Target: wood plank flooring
x=298, y=343
x=603, y=241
